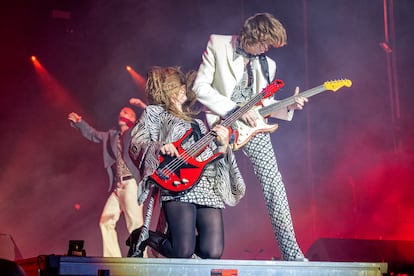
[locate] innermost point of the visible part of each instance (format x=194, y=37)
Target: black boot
x=155, y=240
x=132, y=242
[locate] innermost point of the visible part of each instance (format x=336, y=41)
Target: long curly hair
x=163, y=85
x=263, y=27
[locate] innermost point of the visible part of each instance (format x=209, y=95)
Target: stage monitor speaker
x=8, y=248
x=397, y=253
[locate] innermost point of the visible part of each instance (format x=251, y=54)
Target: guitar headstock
x=334, y=85
x=272, y=88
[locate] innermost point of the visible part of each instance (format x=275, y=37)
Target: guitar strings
x=177, y=162
x=201, y=144
x=185, y=156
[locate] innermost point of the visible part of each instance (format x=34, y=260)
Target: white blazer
x=220, y=71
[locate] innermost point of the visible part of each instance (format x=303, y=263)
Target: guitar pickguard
x=243, y=133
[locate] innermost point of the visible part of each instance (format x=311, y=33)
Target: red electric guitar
x=179, y=174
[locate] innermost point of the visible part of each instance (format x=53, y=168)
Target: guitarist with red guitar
x=234, y=68
x=194, y=170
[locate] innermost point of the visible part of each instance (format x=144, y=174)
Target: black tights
x=183, y=220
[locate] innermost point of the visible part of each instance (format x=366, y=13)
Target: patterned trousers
x=122, y=200
x=260, y=152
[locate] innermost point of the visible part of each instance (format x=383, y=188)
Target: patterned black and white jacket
x=157, y=127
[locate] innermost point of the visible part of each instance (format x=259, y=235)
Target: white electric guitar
x=243, y=133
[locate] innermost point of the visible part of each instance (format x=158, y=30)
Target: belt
x=124, y=178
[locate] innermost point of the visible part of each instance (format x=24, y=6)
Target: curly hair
x=164, y=83
x=263, y=27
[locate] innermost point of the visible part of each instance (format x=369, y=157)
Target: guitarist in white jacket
x=233, y=69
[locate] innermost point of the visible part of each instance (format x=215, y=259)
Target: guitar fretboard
x=265, y=111
x=210, y=136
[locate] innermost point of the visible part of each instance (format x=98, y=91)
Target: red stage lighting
x=137, y=78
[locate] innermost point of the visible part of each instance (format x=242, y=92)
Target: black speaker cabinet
x=397, y=253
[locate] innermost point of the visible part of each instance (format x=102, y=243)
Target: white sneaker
x=300, y=259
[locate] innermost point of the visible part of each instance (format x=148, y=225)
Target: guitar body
x=179, y=174
x=243, y=133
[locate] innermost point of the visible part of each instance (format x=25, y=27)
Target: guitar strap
x=196, y=131
x=265, y=67
x=262, y=60
x=197, y=135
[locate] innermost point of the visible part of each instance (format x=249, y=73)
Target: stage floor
x=64, y=265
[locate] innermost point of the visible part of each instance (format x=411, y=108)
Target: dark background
x=347, y=159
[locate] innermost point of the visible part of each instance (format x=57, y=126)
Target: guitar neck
x=267, y=110
x=241, y=110
x=227, y=122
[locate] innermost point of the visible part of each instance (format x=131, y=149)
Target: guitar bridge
x=162, y=175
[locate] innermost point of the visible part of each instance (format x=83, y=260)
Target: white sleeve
x=206, y=93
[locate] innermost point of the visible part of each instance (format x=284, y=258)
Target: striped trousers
x=262, y=156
